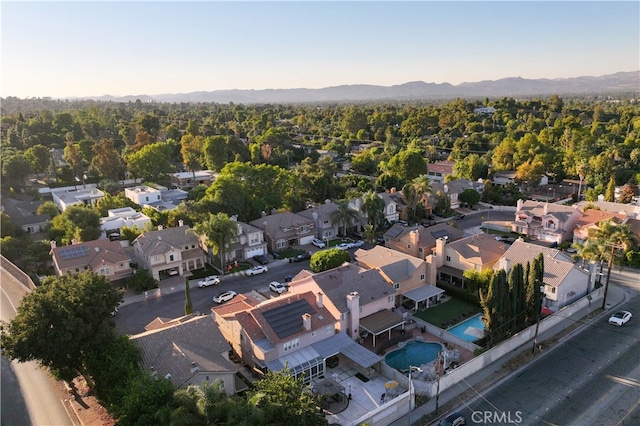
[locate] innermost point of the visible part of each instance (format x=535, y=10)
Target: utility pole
x=438, y=364
x=535, y=337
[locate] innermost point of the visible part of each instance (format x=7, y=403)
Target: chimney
x=194, y=367
x=545, y=209
x=392, y=190
x=505, y=264
x=519, y=205
x=439, y=252
x=319, y=300
x=180, y=222
x=53, y=244
x=160, y=227
x=306, y=321
x=446, y=189
x=353, y=304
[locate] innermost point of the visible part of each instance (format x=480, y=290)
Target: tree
x=60, y=322
x=106, y=161
x=143, y=399
x=610, y=192
x=471, y=167
x=191, y=150
x=215, y=152
x=141, y=280
x=38, y=157
x=442, y=205
x=612, y=240
x=328, y=259
x=373, y=208
x=73, y=156
x=188, y=306
x=281, y=396
x=77, y=222
x=493, y=305
x=343, y=216
x=470, y=197
x=416, y=192
x=48, y=207
x=15, y=168
x=151, y=162
x=407, y=165
x=218, y=231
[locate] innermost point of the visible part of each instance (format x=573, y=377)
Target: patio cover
x=423, y=293
x=380, y=322
x=341, y=343
x=451, y=271
x=297, y=361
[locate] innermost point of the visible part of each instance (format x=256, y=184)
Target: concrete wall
x=388, y=412
x=17, y=273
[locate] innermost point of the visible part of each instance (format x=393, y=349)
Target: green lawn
x=448, y=313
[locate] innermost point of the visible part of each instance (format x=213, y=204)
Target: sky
x=91, y=48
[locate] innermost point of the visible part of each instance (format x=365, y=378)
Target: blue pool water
x=413, y=353
x=470, y=329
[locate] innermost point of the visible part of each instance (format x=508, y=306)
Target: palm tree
x=343, y=216
x=608, y=238
x=373, y=208
x=414, y=192
x=218, y=231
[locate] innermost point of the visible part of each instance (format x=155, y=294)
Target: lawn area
x=448, y=313
x=289, y=252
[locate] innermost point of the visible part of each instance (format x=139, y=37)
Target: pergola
x=423, y=293
x=380, y=322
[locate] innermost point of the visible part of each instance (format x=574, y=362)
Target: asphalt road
x=592, y=379
x=133, y=318
x=27, y=392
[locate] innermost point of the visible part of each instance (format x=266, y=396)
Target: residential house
x=418, y=241
x=564, y=281
x=283, y=230
x=123, y=217
x=103, y=257
x=65, y=197
x=189, y=180
x=24, y=214
x=454, y=188
x=407, y=274
x=477, y=252
x=510, y=176
x=438, y=170
x=321, y=217
x=353, y=294
x=630, y=210
x=167, y=249
x=188, y=351
x=159, y=198
x=248, y=242
x=544, y=221
x=484, y=110
x=591, y=219
x=395, y=205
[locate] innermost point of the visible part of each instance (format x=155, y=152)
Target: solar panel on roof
x=287, y=319
x=73, y=252
x=440, y=233
x=394, y=232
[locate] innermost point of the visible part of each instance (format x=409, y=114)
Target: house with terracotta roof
x=283, y=230
x=102, y=256
x=407, y=274
x=168, y=248
x=438, y=170
x=544, y=221
x=418, y=241
x=477, y=252
x=359, y=297
x=630, y=210
x=189, y=350
x=564, y=281
x=591, y=219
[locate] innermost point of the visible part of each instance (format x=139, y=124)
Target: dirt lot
x=87, y=410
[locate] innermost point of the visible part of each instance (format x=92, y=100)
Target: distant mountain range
x=418, y=90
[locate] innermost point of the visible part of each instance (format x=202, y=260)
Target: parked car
x=277, y=287
x=345, y=246
x=380, y=241
x=225, y=297
x=260, y=269
x=455, y=419
x=301, y=257
x=210, y=280
x=172, y=271
x=261, y=259
x=501, y=238
x=318, y=243
x=358, y=244
x=571, y=250
x=553, y=244
x=459, y=216
x=620, y=318
x=429, y=223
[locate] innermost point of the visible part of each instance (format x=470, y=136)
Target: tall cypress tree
x=188, y=306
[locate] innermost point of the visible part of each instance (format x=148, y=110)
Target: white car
x=260, y=269
x=225, y=297
x=210, y=280
x=172, y=271
x=318, y=243
x=277, y=287
x=345, y=246
x=358, y=243
x=619, y=318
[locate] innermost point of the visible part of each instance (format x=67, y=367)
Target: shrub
x=141, y=281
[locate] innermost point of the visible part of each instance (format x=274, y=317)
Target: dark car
x=301, y=257
x=261, y=259
x=458, y=216
x=455, y=419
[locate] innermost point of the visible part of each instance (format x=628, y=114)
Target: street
x=593, y=378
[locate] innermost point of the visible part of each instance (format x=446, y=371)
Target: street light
x=535, y=337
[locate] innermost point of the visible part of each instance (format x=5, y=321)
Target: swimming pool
x=414, y=353
x=470, y=329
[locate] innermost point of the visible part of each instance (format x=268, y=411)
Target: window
x=170, y=258
x=408, y=246
x=448, y=258
x=420, y=250
x=105, y=270
x=304, y=228
x=291, y=344
x=281, y=244
x=390, y=298
x=422, y=277
x=553, y=290
x=396, y=286
x=329, y=329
